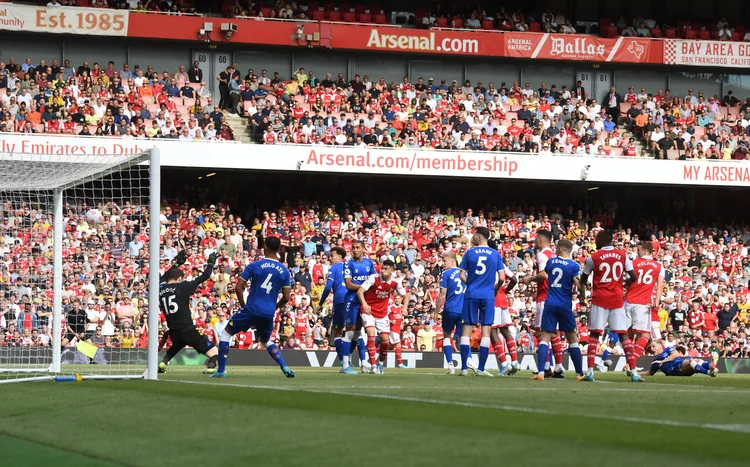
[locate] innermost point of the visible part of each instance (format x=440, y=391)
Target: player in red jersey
x=544, y=253
x=608, y=267
x=641, y=298
x=374, y=295
x=396, y=318
x=500, y=335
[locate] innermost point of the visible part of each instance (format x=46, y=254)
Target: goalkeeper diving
x=174, y=302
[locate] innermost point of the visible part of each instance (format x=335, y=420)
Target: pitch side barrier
x=321, y=359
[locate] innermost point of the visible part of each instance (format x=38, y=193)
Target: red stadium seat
x=691, y=34
x=488, y=25
x=670, y=33
x=380, y=19
x=715, y=35
x=344, y=8
x=655, y=32
x=334, y=16
x=704, y=35
x=360, y=9
x=612, y=31
x=535, y=27
x=318, y=15
x=736, y=36
x=442, y=22
x=365, y=18
x=349, y=17
x=313, y=5
x=459, y=23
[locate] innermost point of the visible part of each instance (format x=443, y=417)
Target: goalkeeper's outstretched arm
x=179, y=260
x=206, y=272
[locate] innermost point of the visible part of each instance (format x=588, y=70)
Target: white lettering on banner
x=329, y=159
x=706, y=53
x=416, y=42
x=64, y=20
x=577, y=46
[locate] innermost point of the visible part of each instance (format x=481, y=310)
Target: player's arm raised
x=179, y=260
x=206, y=272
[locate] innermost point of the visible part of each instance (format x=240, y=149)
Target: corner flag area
x=405, y=417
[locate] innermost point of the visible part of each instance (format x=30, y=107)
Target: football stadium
x=315, y=233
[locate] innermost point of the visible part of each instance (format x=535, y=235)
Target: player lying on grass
x=373, y=296
x=672, y=362
x=562, y=274
x=174, y=302
x=268, y=279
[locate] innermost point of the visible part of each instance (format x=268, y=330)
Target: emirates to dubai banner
x=62, y=20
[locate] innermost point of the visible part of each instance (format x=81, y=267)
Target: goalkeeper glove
x=212, y=258
x=179, y=260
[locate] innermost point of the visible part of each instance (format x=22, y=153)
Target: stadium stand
x=104, y=267
x=91, y=100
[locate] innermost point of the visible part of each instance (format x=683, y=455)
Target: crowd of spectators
x=471, y=116
x=111, y=100
x=705, y=299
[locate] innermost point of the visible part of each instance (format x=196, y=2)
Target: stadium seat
x=670, y=33
x=488, y=25
x=318, y=15
x=349, y=17
x=442, y=22
x=535, y=27
x=266, y=12
x=360, y=9
x=691, y=34
x=334, y=16
x=345, y=8
x=612, y=32
x=380, y=19
x=655, y=32
x=365, y=18
x=736, y=36
x=459, y=22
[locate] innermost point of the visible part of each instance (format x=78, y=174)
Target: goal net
x=74, y=266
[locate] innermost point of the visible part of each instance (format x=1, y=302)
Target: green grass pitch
x=403, y=418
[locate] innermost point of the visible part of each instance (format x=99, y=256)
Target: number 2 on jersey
x=266, y=285
x=557, y=275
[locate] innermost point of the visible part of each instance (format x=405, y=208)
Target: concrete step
x=240, y=127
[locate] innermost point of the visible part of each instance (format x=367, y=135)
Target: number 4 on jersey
x=266, y=285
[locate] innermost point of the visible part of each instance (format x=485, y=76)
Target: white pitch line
x=734, y=428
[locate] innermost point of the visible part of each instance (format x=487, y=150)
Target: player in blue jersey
x=268, y=278
x=335, y=283
x=450, y=303
x=562, y=275
x=482, y=270
x=672, y=362
x=356, y=272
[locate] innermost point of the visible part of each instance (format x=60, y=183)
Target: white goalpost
x=79, y=240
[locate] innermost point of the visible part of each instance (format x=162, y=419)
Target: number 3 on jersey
x=611, y=273
x=266, y=285
x=169, y=305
